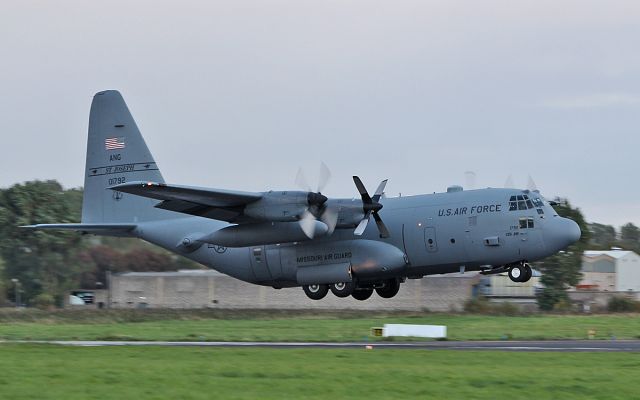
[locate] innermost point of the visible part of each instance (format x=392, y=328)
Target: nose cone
x=573, y=231
x=563, y=233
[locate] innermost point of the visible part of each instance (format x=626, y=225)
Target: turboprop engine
x=284, y=206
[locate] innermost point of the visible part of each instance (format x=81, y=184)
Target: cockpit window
x=523, y=202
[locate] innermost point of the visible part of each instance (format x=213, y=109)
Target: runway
x=535, y=346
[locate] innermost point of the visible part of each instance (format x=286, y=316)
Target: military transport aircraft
x=289, y=238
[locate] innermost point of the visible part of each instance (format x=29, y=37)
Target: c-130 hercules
x=302, y=238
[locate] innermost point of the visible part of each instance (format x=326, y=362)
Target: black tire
x=362, y=294
x=342, y=289
x=517, y=273
x=390, y=289
x=316, y=292
x=528, y=273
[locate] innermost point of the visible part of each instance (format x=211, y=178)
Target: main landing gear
x=316, y=292
x=520, y=272
x=386, y=289
x=343, y=289
x=389, y=289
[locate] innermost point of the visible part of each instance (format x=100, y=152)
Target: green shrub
x=44, y=301
x=623, y=304
x=477, y=305
x=563, y=306
x=480, y=305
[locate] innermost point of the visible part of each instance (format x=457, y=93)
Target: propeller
x=531, y=185
x=317, y=208
x=371, y=206
x=470, y=178
x=323, y=179
x=508, y=184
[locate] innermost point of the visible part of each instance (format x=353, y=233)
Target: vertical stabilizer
x=116, y=153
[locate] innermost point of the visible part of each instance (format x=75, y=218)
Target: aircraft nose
x=573, y=231
x=564, y=233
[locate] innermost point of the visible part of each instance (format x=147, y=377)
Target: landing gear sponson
x=385, y=289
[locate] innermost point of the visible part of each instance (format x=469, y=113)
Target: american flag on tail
x=114, y=143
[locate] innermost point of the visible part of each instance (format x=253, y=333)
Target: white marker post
x=427, y=331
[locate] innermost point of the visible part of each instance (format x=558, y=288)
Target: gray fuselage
x=433, y=234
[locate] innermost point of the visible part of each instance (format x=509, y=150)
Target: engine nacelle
x=263, y=233
x=284, y=206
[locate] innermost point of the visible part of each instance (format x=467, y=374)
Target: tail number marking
x=117, y=181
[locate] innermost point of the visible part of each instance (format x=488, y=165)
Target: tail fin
x=116, y=153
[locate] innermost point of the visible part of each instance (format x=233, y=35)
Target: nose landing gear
x=520, y=272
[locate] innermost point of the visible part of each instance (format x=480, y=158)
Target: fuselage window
x=523, y=223
x=530, y=222
x=540, y=211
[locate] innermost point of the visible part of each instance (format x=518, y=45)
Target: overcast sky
x=238, y=94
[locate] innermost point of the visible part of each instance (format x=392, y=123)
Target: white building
x=613, y=270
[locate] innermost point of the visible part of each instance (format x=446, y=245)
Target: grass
x=58, y=372
x=267, y=326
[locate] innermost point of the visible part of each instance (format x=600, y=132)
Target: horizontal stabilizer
x=96, y=229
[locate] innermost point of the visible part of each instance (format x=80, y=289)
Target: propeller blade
x=382, y=228
x=301, y=181
x=330, y=218
x=324, y=177
x=307, y=224
x=470, y=178
x=531, y=185
x=379, y=190
x=508, y=184
x=362, y=190
x=362, y=225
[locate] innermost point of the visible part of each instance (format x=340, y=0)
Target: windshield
x=525, y=202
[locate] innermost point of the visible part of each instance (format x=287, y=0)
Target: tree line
x=44, y=265
x=605, y=237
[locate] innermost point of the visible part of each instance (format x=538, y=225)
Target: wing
x=224, y=205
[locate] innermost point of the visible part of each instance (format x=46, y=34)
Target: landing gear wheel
x=528, y=273
x=342, y=289
x=520, y=273
x=362, y=294
x=316, y=292
x=390, y=289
